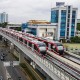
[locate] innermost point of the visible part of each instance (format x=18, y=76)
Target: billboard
x=60, y=3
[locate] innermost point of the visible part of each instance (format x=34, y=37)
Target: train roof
x=38, y=42
x=52, y=41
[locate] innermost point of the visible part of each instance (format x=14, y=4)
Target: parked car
x=1, y=78
x=2, y=58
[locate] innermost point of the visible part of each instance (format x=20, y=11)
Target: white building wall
x=37, y=31
x=76, y=23
x=45, y=30
x=66, y=21
x=59, y=23
x=42, y=32
x=70, y=21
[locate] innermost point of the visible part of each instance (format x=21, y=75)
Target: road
x=15, y=72
x=2, y=68
x=2, y=71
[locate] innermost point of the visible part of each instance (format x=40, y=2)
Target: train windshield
x=59, y=46
x=42, y=46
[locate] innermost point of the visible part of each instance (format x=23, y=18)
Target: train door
x=49, y=46
x=27, y=43
x=32, y=47
x=53, y=47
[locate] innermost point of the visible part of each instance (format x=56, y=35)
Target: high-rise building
x=66, y=19
x=3, y=17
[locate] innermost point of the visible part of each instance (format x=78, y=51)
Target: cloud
x=24, y=10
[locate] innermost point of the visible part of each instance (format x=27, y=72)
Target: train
x=54, y=46
x=34, y=45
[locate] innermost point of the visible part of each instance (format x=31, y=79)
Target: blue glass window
x=63, y=23
x=33, y=31
x=54, y=16
x=73, y=23
x=72, y=33
x=72, y=30
x=62, y=33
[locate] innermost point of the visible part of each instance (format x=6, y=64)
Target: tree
x=75, y=39
x=3, y=24
x=19, y=29
x=78, y=26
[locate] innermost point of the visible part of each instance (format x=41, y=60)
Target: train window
x=25, y=42
x=21, y=39
x=52, y=46
x=35, y=47
x=58, y=44
x=42, y=45
x=46, y=44
x=11, y=34
x=30, y=44
x=17, y=37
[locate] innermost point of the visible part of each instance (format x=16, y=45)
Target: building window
x=62, y=33
x=72, y=33
x=33, y=31
x=68, y=29
x=67, y=33
x=68, y=15
x=67, y=24
x=68, y=20
x=69, y=7
x=54, y=16
x=68, y=11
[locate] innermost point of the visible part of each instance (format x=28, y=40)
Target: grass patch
x=72, y=45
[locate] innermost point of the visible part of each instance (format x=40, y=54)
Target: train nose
x=61, y=52
x=43, y=52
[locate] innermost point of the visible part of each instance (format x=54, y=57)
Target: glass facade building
x=66, y=19
x=63, y=23
x=54, y=18
x=33, y=31
x=3, y=17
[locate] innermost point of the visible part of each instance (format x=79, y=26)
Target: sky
x=20, y=11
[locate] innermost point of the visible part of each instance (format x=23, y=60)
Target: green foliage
x=19, y=29
x=78, y=26
x=63, y=40
x=3, y=24
x=75, y=39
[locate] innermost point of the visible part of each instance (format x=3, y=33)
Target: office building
x=3, y=17
x=66, y=19
x=41, y=28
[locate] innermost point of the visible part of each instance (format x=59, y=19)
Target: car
x=1, y=78
x=4, y=54
x=2, y=58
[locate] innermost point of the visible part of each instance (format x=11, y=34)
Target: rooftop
x=32, y=22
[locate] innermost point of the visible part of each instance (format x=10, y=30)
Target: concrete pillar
x=11, y=48
x=16, y=53
x=21, y=58
x=33, y=64
x=2, y=39
x=47, y=77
